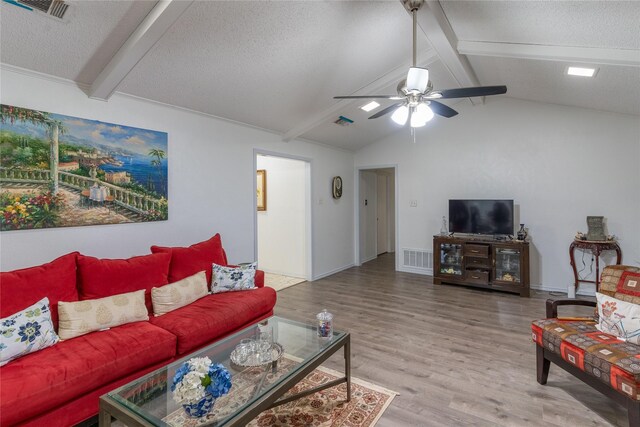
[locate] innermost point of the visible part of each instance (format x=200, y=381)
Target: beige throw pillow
x=82, y=317
x=178, y=294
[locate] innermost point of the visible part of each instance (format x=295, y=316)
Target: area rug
x=326, y=408
x=279, y=282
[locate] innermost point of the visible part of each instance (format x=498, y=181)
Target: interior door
x=382, y=215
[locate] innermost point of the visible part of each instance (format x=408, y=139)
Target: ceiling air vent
x=343, y=121
x=55, y=8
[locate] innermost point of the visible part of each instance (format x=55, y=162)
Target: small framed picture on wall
x=261, y=189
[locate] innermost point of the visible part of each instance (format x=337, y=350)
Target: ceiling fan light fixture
x=401, y=115
x=417, y=79
x=421, y=115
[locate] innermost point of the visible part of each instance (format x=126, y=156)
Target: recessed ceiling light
x=582, y=72
x=370, y=106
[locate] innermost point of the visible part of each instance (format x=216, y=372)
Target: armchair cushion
x=614, y=362
x=610, y=279
x=619, y=318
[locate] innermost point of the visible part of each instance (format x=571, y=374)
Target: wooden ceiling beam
x=587, y=55
x=435, y=25
x=164, y=14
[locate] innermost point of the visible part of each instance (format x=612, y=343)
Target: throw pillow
x=26, y=332
x=100, y=278
x=55, y=280
x=226, y=279
x=619, y=318
x=81, y=317
x=178, y=294
x=186, y=262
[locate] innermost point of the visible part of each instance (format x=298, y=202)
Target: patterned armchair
x=606, y=363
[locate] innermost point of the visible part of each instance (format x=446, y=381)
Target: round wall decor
x=337, y=187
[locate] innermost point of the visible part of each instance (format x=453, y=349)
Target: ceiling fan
x=415, y=93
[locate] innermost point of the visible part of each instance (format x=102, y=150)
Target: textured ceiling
x=272, y=64
x=614, y=89
x=77, y=48
x=611, y=24
x=277, y=64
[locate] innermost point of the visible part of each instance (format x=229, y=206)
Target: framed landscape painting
x=62, y=171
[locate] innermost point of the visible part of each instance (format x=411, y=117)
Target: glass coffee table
x=148, y=401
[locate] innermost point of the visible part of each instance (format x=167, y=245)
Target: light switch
x=413, y=204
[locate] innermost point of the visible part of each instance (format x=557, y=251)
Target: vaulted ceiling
x=277, y=65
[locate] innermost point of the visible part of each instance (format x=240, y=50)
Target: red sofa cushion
x=216, y=316
x=49, y=378
x=99, y=278
x=186, y=262
x=56, y=280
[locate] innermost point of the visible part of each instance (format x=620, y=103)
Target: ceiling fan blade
x=387, y=110
x=369, y=97
x=470, y=92
x=441, y=109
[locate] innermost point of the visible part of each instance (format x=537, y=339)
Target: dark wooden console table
x=596, y=247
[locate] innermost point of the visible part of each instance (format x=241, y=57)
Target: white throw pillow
x=81, y=317
x=619, y=318
x=178, y=294
x=227, y=279
x=26, y=332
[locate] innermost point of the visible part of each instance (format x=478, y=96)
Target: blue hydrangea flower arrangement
x=198, y=383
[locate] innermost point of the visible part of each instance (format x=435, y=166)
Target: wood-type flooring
x=457, y=356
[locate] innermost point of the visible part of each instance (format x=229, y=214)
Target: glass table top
x=150, y=396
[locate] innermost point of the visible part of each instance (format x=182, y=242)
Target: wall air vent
x=55, y=8
x=417, y=261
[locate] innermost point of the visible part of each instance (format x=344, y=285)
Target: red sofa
x=60, y=385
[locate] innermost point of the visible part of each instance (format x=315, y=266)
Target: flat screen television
x=492, y=217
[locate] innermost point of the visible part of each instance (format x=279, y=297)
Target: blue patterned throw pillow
x=26, y=332
x=227, y=279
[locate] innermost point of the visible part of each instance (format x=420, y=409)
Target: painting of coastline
x=62, y=171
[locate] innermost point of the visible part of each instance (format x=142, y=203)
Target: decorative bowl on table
x=251, y=358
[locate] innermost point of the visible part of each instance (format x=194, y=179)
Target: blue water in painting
x=140, y=169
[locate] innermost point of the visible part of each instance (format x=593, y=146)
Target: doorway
x=283, y=219
x=376, y=214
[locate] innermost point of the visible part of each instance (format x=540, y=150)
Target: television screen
x=481, y=216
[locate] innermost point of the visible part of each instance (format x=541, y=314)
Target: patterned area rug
x=329, y=407
x=326, y=408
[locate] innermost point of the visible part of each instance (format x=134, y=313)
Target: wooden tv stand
x=482, y=262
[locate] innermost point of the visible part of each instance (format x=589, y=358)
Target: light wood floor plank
x=457, y=356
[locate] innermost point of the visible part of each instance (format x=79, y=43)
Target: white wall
x=211, y=174
x=282, y=227
x=367, y=214
x=558, y=163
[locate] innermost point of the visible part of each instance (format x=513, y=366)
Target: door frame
x=309, y=233
x=356, y=216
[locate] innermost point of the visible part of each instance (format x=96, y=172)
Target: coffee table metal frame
x=110, y=408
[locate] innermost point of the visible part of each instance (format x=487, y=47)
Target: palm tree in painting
x=38, y=118
x=157, y=156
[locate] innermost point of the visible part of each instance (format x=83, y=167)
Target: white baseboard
x=422, y=271
x=329, y=273
x=283, y=273
x=546, y=288
x=368, y=259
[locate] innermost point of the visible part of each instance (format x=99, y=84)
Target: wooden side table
x=596, y=247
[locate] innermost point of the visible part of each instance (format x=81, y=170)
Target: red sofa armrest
x=259, y=279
